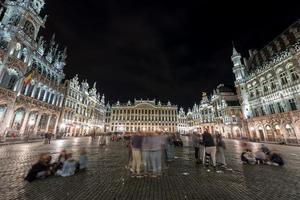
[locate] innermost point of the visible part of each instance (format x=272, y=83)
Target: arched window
x=283, y=76
x=3, y=109
x=29, y=29
x=293, y=74
x=18, y=119
x=10, y=79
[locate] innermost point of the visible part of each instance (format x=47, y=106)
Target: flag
x=28, y=78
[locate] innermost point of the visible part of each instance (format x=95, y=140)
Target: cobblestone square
x=107, y=178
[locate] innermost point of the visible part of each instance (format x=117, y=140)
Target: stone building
x=83, y=109
x=268, y=86
x=221, y=112
x=143, y=115
x=31, y=74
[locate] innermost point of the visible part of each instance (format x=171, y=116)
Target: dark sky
x=168, y=50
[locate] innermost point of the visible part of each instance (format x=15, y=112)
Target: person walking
x=49, y=137
x=221, y=150
x=210, y=147
x=146, y=147
x=136, y=144
x=196, y=145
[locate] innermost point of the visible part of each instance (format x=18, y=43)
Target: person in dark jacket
x=210, y=147
x=41, y=169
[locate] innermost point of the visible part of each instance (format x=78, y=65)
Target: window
x=265, y=86
x=256, y=113
x=293, y=104
x=294, y=75
x=272, y=110
x=262, y=111
x=283, y=78
x=280, y=108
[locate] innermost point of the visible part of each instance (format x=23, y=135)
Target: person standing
x=170, y=147
x=155, y=153
x=221, y=150
x=49, y=137
x=146, y=147
x=196, y=145
x=210, y=147
x=136, y=144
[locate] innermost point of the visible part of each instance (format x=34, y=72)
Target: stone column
x=45, y=95
x=56, y=126
x=24, y=123
x=33, y=91
x=7, y=119
x=48, y=122
x=54, y=98
x=61, y=101
x=26, y=89
x=36, y=126
x=49, y=98
x=40, y=92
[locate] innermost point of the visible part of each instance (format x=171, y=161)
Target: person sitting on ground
x=83, y=160
x=69, y=167
x=265, y=149
x=60, y=161
x=247, y=157
x=275, y=159
x=260, y=157
x=41, y=169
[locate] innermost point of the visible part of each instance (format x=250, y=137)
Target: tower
x=239, y=71
x=23, y=17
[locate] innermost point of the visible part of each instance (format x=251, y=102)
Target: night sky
x=168, y=50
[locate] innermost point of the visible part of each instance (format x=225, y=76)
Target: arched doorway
x=270, y=134
x=261, y=134
x=278, y=134
x=43, y=122
x=52, y=124
x=3, y=109
x=18, y=119
x=290, y=134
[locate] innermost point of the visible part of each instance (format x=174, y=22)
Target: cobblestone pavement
x=107, y=178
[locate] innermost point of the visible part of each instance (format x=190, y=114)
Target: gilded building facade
x=31, y=74
x=83, y=109
x=268, y=86
x=143, y=115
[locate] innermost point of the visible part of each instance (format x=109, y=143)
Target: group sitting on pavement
x=262, y=156
x=64, y=166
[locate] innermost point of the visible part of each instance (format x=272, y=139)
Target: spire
x=234, y=51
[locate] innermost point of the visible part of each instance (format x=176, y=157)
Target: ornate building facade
x=31, y=89
x=83, y=110
x=143, y=115
x=221, y=112
x=268, y=86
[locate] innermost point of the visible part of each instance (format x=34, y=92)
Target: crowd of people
x=148, y=152
x=64, y=166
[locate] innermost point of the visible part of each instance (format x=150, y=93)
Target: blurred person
x=196, y=145
x=247, y=157
x=221, y=149
x=136, y=143
x=156, y=142
x=146, y=147
x=210, y=147
x=265, y=149
x=260, y=157
x=41, y=169
x=275, y=159
x=169, y=145
x=60, y=160
x=83, y=159
x=129, y=149
x=69, y=167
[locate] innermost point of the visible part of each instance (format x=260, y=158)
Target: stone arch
x=18, y=118
x=269, y=133
x=3, y=110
